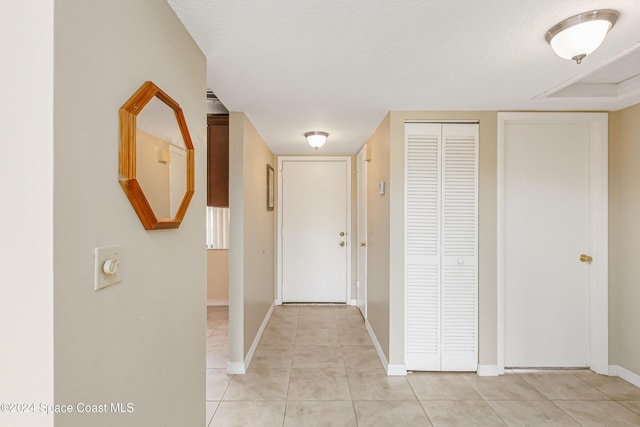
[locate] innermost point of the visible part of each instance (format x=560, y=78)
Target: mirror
x=161, y=167
x=156, y=158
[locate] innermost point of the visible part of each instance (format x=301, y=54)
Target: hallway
x=316, y=365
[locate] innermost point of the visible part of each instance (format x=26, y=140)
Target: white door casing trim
x=349, y=240
x=598, y=272
x=361, y=224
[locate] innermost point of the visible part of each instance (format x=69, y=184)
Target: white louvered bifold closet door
x=441, y=246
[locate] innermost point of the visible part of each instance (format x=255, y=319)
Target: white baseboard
x=353, y=302
x=629, y=376
x=391, y=370
x=217, y=302
x=625, y=374
x=376, y=344
x=236, y=368
x=397, y=370
x=256, y=340
x=488, y=370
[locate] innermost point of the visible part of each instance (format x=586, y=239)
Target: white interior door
x=314, y=228
x=361, y=283
x=547, y=199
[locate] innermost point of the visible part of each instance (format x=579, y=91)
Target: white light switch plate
x=102, y=255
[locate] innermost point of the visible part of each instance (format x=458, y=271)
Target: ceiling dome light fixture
x=316, y=139
x=578, y=36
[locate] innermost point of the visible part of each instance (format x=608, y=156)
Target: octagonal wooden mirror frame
x=127, y=170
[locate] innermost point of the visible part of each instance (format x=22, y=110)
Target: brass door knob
x=342, y=234
x=585, y=258
x=341, y=244
x=363, y=244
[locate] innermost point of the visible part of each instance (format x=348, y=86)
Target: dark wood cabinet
x=218, y=160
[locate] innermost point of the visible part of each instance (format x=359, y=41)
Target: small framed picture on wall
x=270, y=184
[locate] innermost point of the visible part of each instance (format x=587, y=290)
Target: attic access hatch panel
x=618, y=80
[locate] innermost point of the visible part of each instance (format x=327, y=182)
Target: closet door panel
x=423, y=159
x=459, y=246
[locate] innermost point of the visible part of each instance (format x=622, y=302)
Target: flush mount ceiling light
x=578, y=36
x=316, y=139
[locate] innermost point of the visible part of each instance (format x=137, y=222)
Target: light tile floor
x=316, y=366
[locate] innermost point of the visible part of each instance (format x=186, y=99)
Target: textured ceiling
x=338, y=66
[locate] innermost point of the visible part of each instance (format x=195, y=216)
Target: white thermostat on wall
x=108, y=266
x=381, y=188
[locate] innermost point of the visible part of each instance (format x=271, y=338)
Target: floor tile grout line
x=488, y=403
x=585, y=385
x=216, y=411
x=592, y=386
x=565, y=412
x=533, y=385
x=213, y=415
x=464, y=377
x=346, y=374
x=418, y=400
x=355, y=413
x=353, y=407
x=293, y=355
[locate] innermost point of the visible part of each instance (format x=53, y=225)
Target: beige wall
x=252, y=236
x=26, y=245
x=218, y=275
x=141, y=341
x=387, y=154
x=378, y=222
x=624, y=238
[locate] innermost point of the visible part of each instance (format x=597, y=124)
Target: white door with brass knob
x=314, y=232
x=552, y=220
